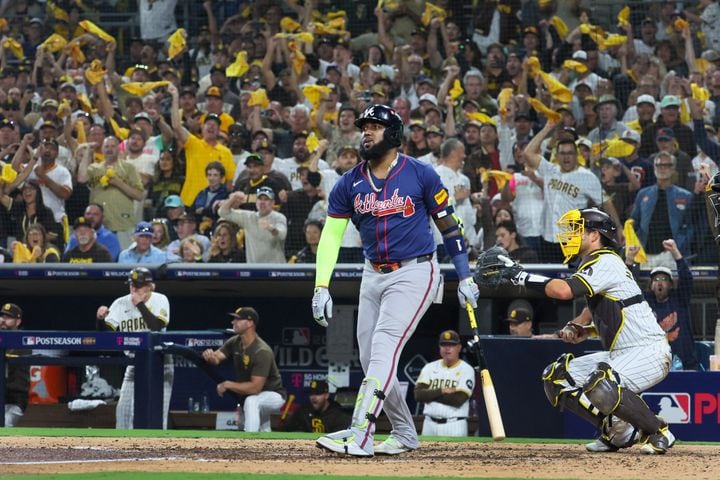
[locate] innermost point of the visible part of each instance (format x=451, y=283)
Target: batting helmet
x=387, y=117
x=140, y=276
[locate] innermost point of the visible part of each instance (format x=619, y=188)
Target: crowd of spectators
x=219, y=142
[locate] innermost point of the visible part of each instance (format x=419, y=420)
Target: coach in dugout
x=322, y=414
x=445, y=387
x=17, y=376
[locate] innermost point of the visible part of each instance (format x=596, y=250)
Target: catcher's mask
x=574, y=223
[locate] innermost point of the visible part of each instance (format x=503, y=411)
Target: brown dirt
x=47, y=455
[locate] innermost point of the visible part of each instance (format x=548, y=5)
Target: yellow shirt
x=198, y=154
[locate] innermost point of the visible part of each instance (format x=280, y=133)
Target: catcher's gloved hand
x=494, y=268
x=322, y=305
x=468, y=292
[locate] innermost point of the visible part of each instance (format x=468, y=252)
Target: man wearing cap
x=143, y=250
x=608, y=127
x=186, y=226
x=145, y=163
x=258, y=378
x=643, y=113
x=141, y=310
x=444, y=387
x=588, y=77
x=199, y=152
x=49, y=131
x=648, y=38
x=520, y=318
x=95, y=214
x=321, y=415
x=265, y=229
x=116, y=185
x=259, y=173
x=17, y=377
x=685, y=175
x=669, y=118
x=87, y=249
x=434, y=137
x=671, y=304
x=214, y=104
x=48, y=112
x=55, y=180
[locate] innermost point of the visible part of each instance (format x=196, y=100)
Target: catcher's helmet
x=386, y=116
x=574, y=223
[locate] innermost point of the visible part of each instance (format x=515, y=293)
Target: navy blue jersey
x=394, y=223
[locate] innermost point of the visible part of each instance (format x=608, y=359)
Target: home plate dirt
x=46, y=455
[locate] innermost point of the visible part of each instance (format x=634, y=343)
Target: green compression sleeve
x=328, y=249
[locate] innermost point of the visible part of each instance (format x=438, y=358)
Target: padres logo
x=246, y=360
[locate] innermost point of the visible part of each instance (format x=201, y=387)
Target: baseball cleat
x=342, y=442
x=658, y=443
x=391, y=446
x=601, y=445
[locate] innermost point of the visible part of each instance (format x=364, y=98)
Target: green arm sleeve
x=328, y=249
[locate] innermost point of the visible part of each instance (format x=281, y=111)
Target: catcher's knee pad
x=368, y=397
x=557, y=379
x=602, y=388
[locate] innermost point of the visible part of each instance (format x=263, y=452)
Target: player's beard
x=376, y=151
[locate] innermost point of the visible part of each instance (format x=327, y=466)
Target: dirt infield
x=46, y=455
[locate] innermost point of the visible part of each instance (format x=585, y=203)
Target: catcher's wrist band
x=532, y=281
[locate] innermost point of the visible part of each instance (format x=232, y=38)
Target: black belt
x=631, y=301
x=392, y=266
x=445, y=420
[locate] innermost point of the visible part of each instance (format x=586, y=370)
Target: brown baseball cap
x=449, y=337
x=519, y=311
x=245, y=313
x=11, y=310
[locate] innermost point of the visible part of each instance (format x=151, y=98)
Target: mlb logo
x=673, y=407
x=296, y=336
x=28, y=340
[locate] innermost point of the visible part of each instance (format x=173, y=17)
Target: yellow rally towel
x=120, y=132
x=259, y=98
x=456, y=90
x=615, y=39
x=503, y=98
x=433, y=11
x=701, y=64
x=22, y=254
x=15, y=47
x=615, y=147
x=90, y=27
x=480, y=117
x=574, y=65
x=54, y=43
x=142, y=88
x=679, y=24
x=3, y=24
x=96, y=72
x=302, y=37
x=287, y=24
x=8, y=174
x=539, y=107
x=624, y=17
x=632, y=240
x=560, y=26
x=533, y=66
x=298, y=58
x=699, y=93
x=557, y=89
x=57, y=12
x=85, y=103
x=76, y=52
x=177, y=41
x=314, y=94
x=312, y=142
x=239, y=67
x=595, y=32
x=500, y=177
x=81, y=136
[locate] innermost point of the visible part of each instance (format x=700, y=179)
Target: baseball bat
x=491, y=403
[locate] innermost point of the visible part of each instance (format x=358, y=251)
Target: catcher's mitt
x=495, y=268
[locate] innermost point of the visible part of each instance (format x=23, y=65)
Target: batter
x=390, y=198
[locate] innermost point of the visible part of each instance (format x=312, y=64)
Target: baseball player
x=142, y=310
x=445, y=387
x=602, y=388
x=258, y=378
x=390, y=198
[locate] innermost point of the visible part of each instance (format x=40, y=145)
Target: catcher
x=603, y=387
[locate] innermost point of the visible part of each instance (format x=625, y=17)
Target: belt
x=446, y=420
x=392, y=266
x=631, y=301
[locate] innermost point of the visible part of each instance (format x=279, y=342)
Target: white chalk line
x=102, y=460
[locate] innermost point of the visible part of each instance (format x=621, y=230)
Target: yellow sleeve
x=328, y=249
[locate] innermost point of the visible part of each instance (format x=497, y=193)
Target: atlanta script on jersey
x=393, y=222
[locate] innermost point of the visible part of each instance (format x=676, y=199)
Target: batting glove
x=468, y=292
x=322, y=305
